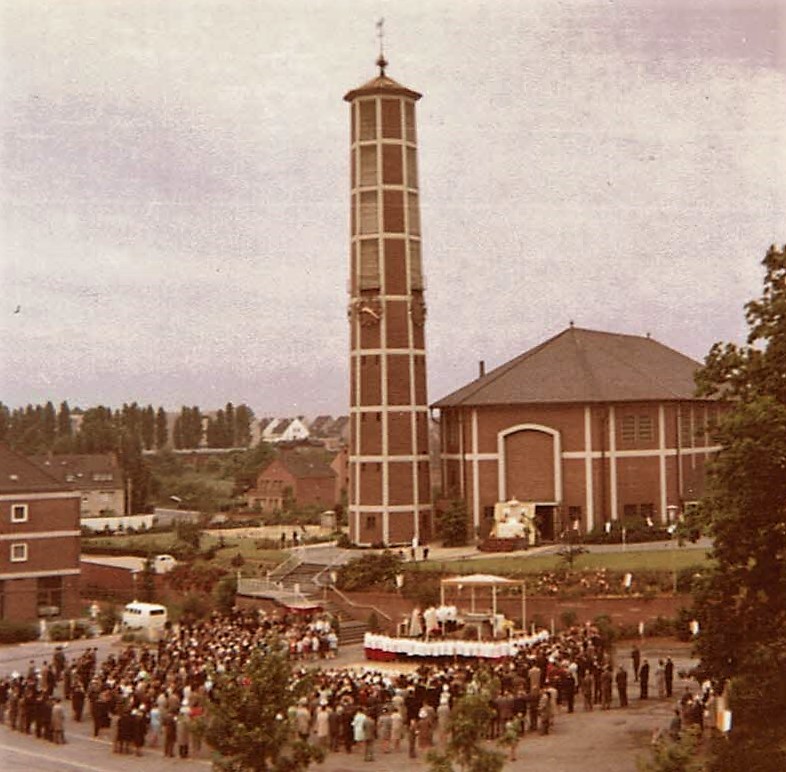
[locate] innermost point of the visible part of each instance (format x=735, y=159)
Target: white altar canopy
x=474, y=581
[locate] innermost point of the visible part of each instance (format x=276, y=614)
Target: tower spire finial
x=381, y=61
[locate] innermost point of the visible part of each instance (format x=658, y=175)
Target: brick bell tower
x=389, y=483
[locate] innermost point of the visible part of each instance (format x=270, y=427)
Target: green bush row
x=18, y=632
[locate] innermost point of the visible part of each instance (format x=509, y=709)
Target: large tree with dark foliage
x=741, y=606
x=249, y=727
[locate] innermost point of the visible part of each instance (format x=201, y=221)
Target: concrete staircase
x=309, y=576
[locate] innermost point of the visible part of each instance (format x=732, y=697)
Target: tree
x=570, y=549
x=741, y=605
x=148, y=427
x=453, y=524
x=5, y=422
x=135, y=470
x=467, y=725
x=244, y=416
x=147, y=589
x=162, y=430
x=225, y=592
x=49, y=424
x=229, y=428
x=64, y=420
x=249, y=727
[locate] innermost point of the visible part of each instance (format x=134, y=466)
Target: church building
x=589, y=426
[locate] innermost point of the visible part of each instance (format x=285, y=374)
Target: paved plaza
x=607, y=741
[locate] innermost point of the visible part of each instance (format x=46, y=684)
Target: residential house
x=97, y=477
x=295, y=478
x=286, y=430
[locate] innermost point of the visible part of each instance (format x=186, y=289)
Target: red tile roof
x=78, y=469
x=20, y=475
x=579, y=366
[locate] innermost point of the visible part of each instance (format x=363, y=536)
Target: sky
x=174, y=185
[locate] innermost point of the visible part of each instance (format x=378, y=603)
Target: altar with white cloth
x=387, y=648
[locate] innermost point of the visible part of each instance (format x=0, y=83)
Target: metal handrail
x=251, y=585
x=282, y=569
x=352, y=603
x=317, y=577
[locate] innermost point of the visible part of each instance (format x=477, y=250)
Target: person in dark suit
x=669, y=676
x=644, y=679
x=622, y=686
x=635, y=655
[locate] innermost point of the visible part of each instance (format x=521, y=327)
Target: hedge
x=18, y=632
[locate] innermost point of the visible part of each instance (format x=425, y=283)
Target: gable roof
x=304, y=465
x=320, y=425
x=77, y=469
x=281, y=426
x=20, y=475
x=579, y=365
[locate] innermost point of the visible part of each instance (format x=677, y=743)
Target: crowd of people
x=156, y=696
x=153, y=695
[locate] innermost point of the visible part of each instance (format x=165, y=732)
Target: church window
x=369, y=264
x=368, y=165
x=645, y=432
x=369, y=222
x=368, y=120
x=409, y=119
x=414, y=214
x=412, y=168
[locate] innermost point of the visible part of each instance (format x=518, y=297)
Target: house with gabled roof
x=298, y=478
x=96, y=476
x=589, y=427
x=286, y=430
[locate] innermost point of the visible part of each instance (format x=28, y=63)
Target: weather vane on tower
x=381, y=61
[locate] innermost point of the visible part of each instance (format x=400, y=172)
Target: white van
x=147, y=617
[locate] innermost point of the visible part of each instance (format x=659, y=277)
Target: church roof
x=579, y=366
x=382, y=84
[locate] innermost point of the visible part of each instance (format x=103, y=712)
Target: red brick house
x=39, y=542
x=302, y=478
x=588, y=426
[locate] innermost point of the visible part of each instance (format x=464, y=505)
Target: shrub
x=568, y=618
x=64, y=631
x=452, y=524
x=605, y=628
x=18, y=632
x=224, y=593
x=422, y=588
x=194, y=607
x=60, y=631
x=368, y=571
x=343, y=541
x=108, y=617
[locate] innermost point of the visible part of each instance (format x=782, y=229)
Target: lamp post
x=672, y=529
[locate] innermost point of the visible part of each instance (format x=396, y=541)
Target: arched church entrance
x=530, y=455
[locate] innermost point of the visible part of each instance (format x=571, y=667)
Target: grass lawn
x=665, y=560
